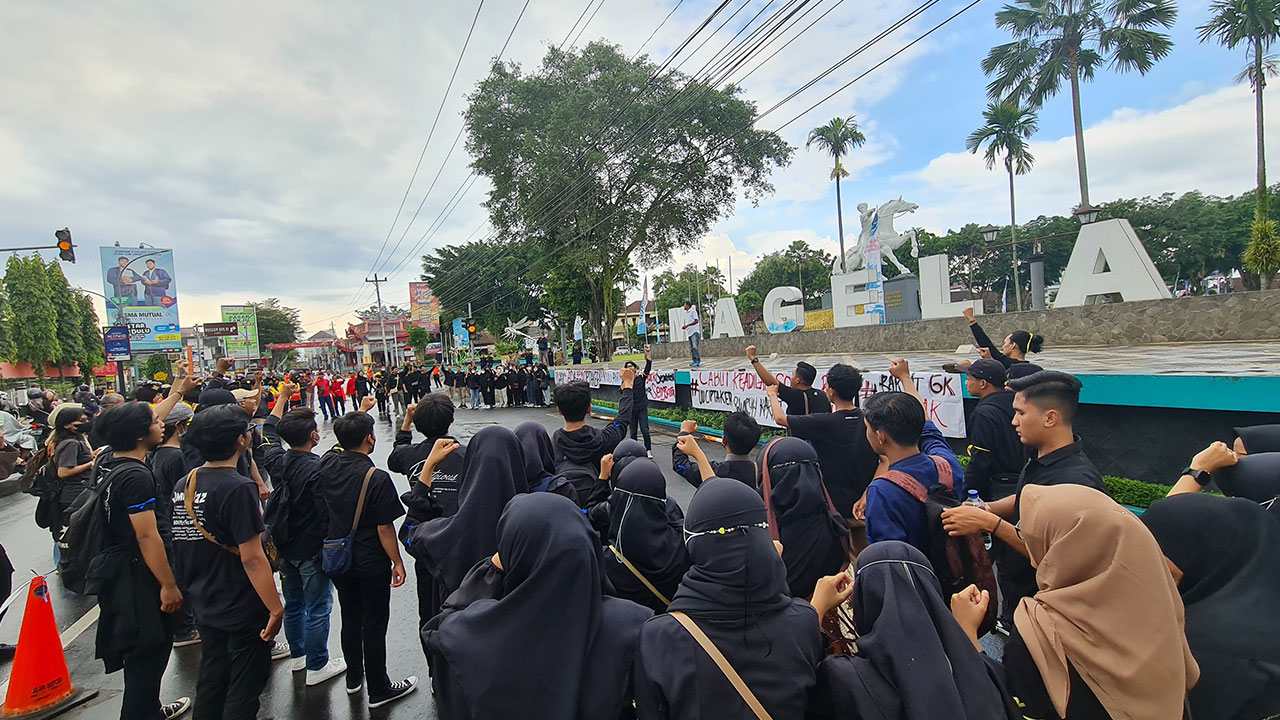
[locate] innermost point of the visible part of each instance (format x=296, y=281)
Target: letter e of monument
x=783, y=311
x=849, y=295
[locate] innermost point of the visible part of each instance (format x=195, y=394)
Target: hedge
x=1125, y=491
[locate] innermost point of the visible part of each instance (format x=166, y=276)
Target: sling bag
x=189, y=501
x=639, y=576
x=335, y=555
x=723, y=663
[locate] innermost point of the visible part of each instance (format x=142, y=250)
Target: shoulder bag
x=723, y=663
x=335, y=556
x=639, y=576
x=188, y=502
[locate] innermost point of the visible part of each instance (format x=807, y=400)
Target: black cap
x=990, y=370
x=1022, y=369
x=216, y=396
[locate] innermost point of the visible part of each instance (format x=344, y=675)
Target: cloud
x=1206, y=143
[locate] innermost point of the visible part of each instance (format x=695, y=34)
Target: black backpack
x=584, y=479
x=87, y=531
x=276, y=514
x=40, y=479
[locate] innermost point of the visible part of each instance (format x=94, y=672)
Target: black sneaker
x=175, y=709
x=397, y=691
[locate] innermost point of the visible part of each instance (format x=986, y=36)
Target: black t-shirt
x=216, y=585
x=341, y=476
x=131, y=489
x=1026, y=685
x=847, y=460
x=446, y=479
x=169, y=465
x=803, y=402
x=72, y=452
x=1064, y=466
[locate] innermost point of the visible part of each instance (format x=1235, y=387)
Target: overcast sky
x=269, y=144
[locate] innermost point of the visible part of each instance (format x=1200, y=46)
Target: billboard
x=244, y=344
x=141, y=294
x=460, y=336
x=424, y=308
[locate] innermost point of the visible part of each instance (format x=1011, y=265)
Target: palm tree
x=1005, y=135
x=1256, y=23
x=837, y=138
x=1056, y=40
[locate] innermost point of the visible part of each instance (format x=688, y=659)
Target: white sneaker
x=298, y=664
x=331, y=669
x=280, y=651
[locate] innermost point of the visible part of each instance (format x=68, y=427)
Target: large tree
x=6, y=322
x=488, y=275
x=1007, y=129
x=613, y=163
x=34, y=330
x=797, y=264
x=277, y=324
x=93, y=354
x=837, y=138
x=1056, y=40
x=70, y=337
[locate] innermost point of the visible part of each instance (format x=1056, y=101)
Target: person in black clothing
x=640, y=401
x=801, y=397
x=138, y=592
x=71, y=460
x=741, y=434
x=473, y=386
x=1014, y=349
x=432, y=417
x=380, y=394
x=362, y=386
x=308, y=593
x=364, y=591
x=840, y=438
x=578, y=446
x=169, y=465
x=541, y=383
x=996, y=454
x=1044, y=409
x=222, y=565
x=544, y=350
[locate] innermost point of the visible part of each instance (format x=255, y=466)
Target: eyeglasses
x=724, y=531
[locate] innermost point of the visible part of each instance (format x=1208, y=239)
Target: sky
x=270, y=144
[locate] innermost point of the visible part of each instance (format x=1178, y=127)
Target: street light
x=989, y=233
x=1086, y=213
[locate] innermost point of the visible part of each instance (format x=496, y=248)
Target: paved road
x=286, y=695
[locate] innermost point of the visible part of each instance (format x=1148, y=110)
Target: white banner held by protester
x=734, y=390
x=661, y=384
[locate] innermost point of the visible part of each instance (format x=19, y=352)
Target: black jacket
x=300, y=470
x=996, y=453
x=407, y=458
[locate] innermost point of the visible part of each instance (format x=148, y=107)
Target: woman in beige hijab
x=1103, y=637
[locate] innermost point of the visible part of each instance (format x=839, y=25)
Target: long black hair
x=62, y=425
x=1027, y=341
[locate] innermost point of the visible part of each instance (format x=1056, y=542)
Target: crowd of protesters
x=556, y=577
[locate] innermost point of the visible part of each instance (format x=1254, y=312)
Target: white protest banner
x=660, y=384
x=734, y=390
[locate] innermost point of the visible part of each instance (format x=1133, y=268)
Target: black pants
x=143, y=670
x=640, y=421
x=382, y=405
x=429, y=599
x=365, y=603
x=234, y=667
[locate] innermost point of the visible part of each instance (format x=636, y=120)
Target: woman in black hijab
x=551, y=646
x=1257, y=439
x=736, y=593
x=646, y=528
x=539, y=462
x=812, y=535
x=491, y=473
x=914, y=661
x=1229, y=580
x=627, y=452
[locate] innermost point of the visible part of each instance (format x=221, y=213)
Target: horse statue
x=880, y=222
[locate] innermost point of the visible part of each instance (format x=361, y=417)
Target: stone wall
x=1211, y=318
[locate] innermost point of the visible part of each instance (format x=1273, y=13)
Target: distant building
x=628, y=317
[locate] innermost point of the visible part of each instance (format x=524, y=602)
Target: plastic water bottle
x=977, y=502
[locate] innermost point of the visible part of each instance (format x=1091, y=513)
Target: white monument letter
x=849, y=296
x=675, y=317
x=780, y=318
x=726, y=323
x=935, y=290
x=1109, y=258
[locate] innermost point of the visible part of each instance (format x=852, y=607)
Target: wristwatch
x=755, y=360
x=1200, y=476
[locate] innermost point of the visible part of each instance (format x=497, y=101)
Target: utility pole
x=382, y=318
x=471, y=341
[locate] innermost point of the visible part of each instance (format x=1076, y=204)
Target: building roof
x=322, y=335
x=634, y=308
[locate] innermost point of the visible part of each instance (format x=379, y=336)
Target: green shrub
x=1134, y=492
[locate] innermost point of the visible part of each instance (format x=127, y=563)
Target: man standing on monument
x=693, y=329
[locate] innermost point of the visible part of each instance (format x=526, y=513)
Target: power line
x=588, y=22
x=655, y=30
x=575, y=24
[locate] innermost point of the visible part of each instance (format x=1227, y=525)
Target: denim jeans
x=694, y=353
x=528, y=391
x=475, y=397
x=308, y=599
x=326, y=406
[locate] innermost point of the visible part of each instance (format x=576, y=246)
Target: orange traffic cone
x=40, y=683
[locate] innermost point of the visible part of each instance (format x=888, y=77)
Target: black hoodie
x=578, y=453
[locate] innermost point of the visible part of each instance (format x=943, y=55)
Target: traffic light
x=66, y=250
x=471, y=326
